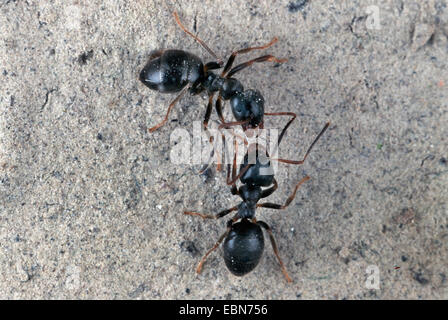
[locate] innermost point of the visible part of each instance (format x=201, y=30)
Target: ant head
x=260, y=173
x=230, y=87
x=248, y=106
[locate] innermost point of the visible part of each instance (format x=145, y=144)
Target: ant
x=170, y=71
x=244, y=241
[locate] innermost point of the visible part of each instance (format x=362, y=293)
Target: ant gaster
x=170, y=71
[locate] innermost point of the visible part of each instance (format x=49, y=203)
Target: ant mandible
x=170, y=71
x=244, y=241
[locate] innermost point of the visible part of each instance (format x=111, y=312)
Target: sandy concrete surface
x=92, y=207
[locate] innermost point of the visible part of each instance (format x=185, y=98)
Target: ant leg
x=288, y=201
x=291, y=114
x=218, y=107
x=232, y=124
x=233, y=189
x=242, y=171
x=169, y=110
x=221, y=238
x=235, y=152
x=250, y=62
x=202, y=43
x=234, y=54
x=309, y=149
x=221, y=159
x=206, y=120
x=208, y=111
x=207, y=164
x=212, y=66
x=267, y=192
x=211, y=216
x=274, y=247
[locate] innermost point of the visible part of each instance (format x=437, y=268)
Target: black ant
x=170, y=71
x=244, y=241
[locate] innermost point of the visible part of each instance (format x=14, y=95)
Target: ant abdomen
x=243, y=247
x=170, y=71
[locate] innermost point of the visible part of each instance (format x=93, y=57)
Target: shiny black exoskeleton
x=243, y=247
x=243, y=240
x=170, y=71
x=244, y=243
x=260, y=173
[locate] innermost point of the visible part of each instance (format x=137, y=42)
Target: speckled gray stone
x=91, y=207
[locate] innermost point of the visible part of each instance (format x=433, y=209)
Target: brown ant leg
x=235, y=153
x=250, y=62
x=208, y=111
x=288, y=201
x=267, y=192
x=234, y=54
x=206, y=120
x=232, y=124
x=218, y=107
x=291, y=114
x=201, y=263
x=218, y=162
x=212, y=66
x=169, y=110
x=234, y=190
x=211, y=216
x=309, y=149
x=207, y=165
x=202, y=43
x=243, y=171
x=234, y=176
x=221, y=238
x=232, y=168
x=274, y=247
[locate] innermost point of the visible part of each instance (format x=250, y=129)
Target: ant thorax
x=227, y=87
x=246, y=210
x=250, y=196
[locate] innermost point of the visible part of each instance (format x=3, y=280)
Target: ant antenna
x=202, y=43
